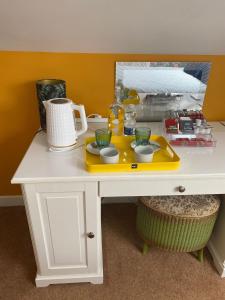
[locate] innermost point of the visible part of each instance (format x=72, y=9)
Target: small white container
x=198, y=122
x=207, y=130
x=202, y=130
x=144, y=153
x=109, y=155
x=196, y=130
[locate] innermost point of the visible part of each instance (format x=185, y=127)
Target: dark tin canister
x=48, y=89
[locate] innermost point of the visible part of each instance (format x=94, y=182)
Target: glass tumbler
x=103, y=137
x=142, y=135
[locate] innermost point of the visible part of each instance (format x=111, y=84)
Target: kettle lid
x=59, y=101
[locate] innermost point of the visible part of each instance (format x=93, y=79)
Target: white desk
x=63, y=203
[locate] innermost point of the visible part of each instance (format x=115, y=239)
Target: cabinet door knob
x=91, y=235
x=181, y=189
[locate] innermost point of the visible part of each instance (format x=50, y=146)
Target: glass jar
x=115, y=119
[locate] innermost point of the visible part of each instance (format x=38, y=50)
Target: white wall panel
x=127, y=26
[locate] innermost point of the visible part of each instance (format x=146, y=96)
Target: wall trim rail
x=15, y=200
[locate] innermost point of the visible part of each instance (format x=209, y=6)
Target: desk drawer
x=161, y=187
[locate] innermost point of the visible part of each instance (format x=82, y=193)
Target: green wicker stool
x=177, y=223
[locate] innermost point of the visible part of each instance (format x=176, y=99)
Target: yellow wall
x=89, y=79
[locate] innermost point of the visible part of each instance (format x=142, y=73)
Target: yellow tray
x=163, y=159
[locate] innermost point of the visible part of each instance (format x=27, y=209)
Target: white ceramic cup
x=144, y=153
x=109, y=155
x=198, y=122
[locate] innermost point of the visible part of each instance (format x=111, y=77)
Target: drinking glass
x=103, y=137
x=142, y=135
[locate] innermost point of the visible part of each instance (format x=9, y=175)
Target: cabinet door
x=60, y=227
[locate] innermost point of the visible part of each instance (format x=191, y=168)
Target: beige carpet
x=127, y=274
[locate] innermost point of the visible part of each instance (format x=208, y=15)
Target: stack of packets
x=188, y=128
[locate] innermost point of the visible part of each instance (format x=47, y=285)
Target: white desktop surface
x=40, y=164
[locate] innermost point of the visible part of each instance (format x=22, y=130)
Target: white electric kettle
x=61, y=125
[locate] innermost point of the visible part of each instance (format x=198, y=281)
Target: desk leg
x=99, y=278
x=216, y=244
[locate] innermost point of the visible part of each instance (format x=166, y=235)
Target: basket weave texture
x=174, y=232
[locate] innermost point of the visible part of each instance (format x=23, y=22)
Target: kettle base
x=61, y=149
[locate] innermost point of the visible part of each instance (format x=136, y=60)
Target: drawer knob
x=181, y=189
x=91, y=235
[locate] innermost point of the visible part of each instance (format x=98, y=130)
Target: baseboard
x=44, y=281
x=11, y=201
x=219, y=263
x=110, y=200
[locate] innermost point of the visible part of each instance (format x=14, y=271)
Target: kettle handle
x=83, y=118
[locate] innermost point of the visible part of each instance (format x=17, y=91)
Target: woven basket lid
x=183, y=206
